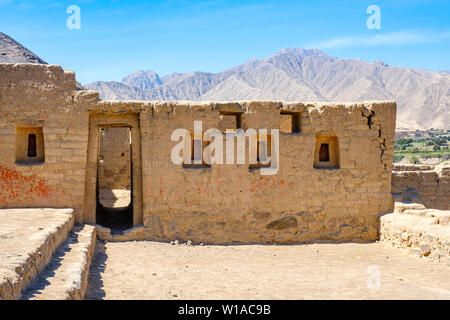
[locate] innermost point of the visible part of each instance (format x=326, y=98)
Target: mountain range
x=422, y=96
x=13, y=52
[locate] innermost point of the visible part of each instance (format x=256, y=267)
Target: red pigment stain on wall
x=280, y=186
x=14, y=187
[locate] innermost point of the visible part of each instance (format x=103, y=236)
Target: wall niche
x=30, y=145
x=289, y=122
x=326, y=155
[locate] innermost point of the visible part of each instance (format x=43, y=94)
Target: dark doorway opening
x=117, y=219
x=114, y=179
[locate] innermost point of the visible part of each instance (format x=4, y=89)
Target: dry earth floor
x=150, y=270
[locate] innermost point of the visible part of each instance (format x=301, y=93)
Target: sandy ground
x=115, y=198
x=150, y=270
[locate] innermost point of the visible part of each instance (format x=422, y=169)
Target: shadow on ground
x=95, y=283
x=38, y=285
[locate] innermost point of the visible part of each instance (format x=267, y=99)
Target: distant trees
x=403, y=143
x=436, y=142
x=432, y=144
x=398, y=157
x=439, y=143
x=415, y=160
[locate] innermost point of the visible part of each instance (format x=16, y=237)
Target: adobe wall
x=114, y=168
x=232, y=204
x=43, y=96
x=425, y=184
x=222, y=203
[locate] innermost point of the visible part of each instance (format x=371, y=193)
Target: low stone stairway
x=43, y=255
x=420, y=231
x=65, y=277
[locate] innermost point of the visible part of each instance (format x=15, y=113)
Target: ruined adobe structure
x=51, y=158
x=425, y=184
x=420, y=224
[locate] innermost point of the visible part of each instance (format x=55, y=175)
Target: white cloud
x=393, y=38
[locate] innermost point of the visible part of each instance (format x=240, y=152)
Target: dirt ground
x=150, y=270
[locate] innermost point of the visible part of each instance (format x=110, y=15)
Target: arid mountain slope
x=13, y=52
x=423, y=96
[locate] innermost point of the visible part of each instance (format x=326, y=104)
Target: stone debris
x=425, y=184
x=422, y=232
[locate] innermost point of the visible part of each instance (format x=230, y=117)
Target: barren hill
x=13, y=52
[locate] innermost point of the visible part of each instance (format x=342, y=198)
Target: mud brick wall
x=114, y=168
x=428, y=185
x=43, y=96
x=232, y=204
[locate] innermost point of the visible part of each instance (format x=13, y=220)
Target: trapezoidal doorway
x=114, y=178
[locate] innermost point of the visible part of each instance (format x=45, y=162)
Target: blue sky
x=119, y=37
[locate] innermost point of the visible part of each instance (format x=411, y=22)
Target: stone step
x=419, y=234
x=441, y=217
x=65, y=277
x=28, y=239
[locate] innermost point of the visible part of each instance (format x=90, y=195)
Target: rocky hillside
x=13, y=52
x=423, y=96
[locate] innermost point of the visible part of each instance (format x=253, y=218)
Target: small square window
x=29, y=145
x=326, y=153
x=230, y=121
x=290, y=122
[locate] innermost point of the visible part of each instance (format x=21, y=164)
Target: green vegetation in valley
x=417, y=146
